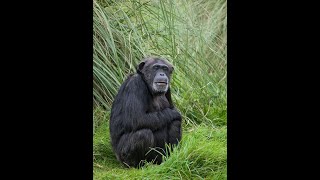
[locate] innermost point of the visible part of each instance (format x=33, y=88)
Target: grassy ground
x=192, y=35
x=201, y=154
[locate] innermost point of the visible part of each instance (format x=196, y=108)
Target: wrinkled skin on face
x=157, y=74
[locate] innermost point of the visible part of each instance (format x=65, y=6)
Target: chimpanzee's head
x=156, y=73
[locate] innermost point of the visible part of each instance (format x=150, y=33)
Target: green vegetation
x=192, y=35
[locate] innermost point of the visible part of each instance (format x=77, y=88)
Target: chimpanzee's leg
x=160, y=137
x=132, y=147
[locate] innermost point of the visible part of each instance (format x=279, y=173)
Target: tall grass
x=190, y=34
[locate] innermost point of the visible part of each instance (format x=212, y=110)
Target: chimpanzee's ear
x=140, y=66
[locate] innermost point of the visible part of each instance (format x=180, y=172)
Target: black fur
x=142, y=118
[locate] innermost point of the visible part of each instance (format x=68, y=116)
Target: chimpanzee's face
x=157, y=73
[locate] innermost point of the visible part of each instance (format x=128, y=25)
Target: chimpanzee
x=143, y=115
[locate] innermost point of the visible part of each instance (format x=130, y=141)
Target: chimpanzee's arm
x=135, y=110
x=136, y=103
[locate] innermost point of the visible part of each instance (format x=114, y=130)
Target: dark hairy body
x=143, y=115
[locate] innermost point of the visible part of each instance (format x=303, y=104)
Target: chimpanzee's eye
x=156, y=67
x=165, y=68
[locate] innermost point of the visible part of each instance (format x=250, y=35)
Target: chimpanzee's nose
x=161, y=74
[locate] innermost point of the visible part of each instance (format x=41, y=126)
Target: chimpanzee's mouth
x=161, y=83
